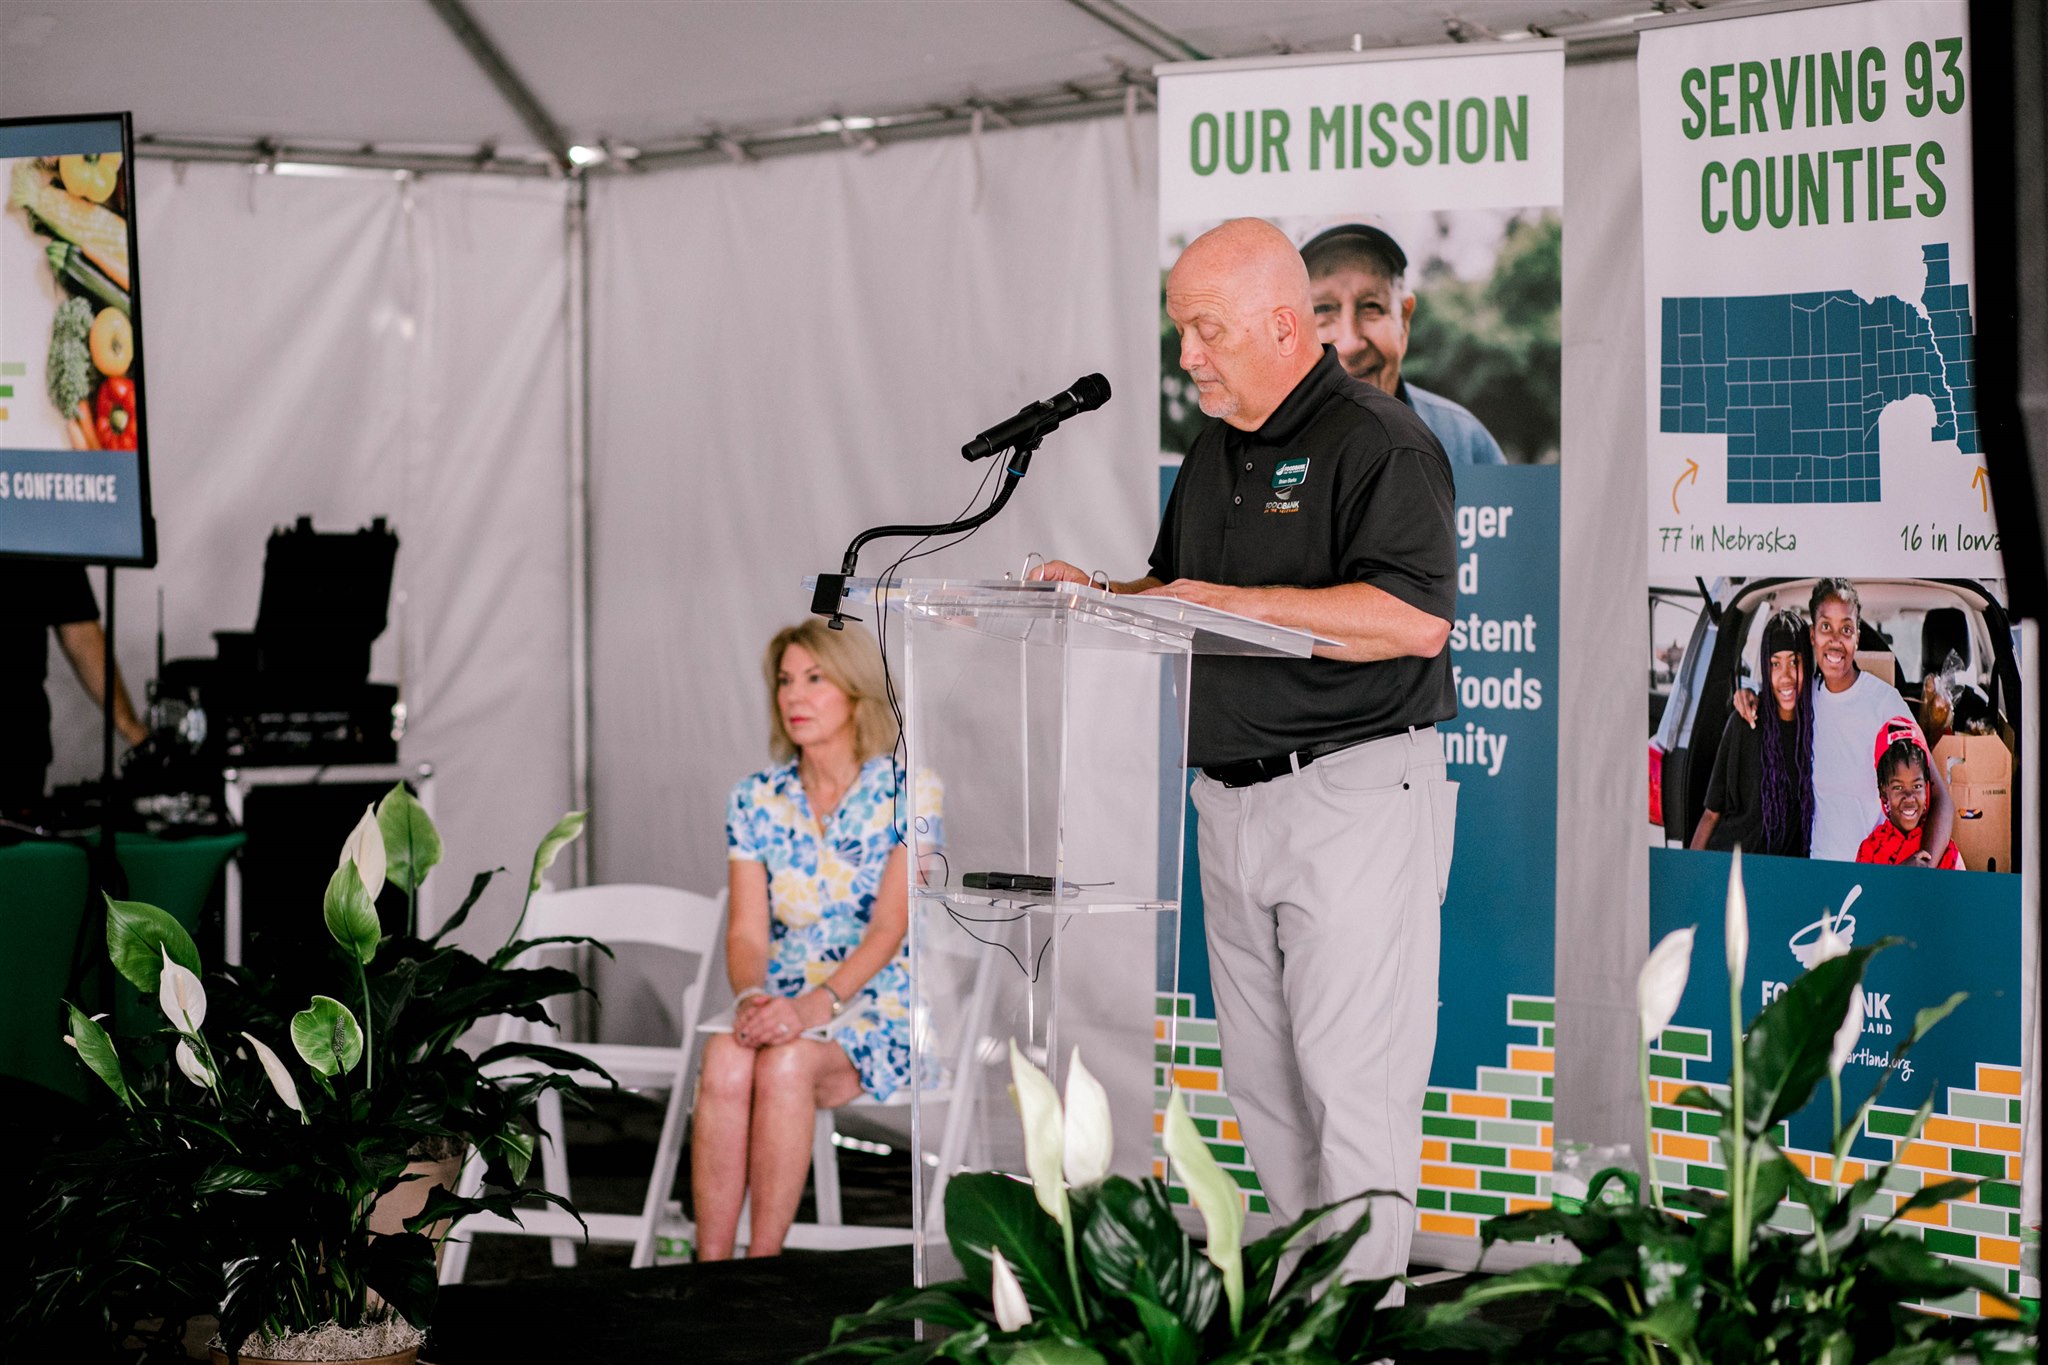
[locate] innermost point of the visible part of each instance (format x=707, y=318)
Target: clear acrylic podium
x=1045, y=794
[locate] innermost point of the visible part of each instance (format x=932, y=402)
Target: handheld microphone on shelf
x=1034, y=420
x=1020, y=435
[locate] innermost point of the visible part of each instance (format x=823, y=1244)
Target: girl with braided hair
x=1760, y=793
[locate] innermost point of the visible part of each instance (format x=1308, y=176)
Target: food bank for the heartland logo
x=1830, y=935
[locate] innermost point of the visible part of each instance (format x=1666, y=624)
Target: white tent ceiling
x=654, y=73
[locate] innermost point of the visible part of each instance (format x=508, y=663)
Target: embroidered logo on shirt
x=1288, y=477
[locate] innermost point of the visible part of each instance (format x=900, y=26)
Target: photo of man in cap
x=1358, y=283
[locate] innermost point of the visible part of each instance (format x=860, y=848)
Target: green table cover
x=42, y=900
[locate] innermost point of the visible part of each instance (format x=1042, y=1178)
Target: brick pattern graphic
x=1485, y=1150
x=1977, y=1135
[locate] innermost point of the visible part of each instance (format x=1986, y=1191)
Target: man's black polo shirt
x=1342, y=484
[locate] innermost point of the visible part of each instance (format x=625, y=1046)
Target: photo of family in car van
x=1866, y=720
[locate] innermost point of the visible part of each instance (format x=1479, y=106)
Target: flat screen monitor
x=74, y=430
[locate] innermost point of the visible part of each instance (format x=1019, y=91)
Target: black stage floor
x=517, y=1306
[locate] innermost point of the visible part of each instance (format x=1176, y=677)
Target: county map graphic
x=1796, y=381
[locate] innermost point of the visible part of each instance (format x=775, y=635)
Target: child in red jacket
x=1902, y=781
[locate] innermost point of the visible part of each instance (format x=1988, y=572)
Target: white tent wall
x=1603, y=865
x=349, y=347
x=787, y=352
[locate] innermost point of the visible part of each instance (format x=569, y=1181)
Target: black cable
x=1034, y=971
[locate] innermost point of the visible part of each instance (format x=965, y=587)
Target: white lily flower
x=1215, y=1197
x=1847, y=1035
x=1738, y=920
x=280, y=1079
x=1012, y=1311
x=182, y=997
x=1089, y=1143
x=365, y=848
x=1039, y=1105
x=189, y=1063
x=1661, y=983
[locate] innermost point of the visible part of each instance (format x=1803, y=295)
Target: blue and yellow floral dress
x=821, y=894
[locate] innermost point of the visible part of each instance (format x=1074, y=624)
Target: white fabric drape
x=1603, y=862
x=788, y=352
x=349, y=347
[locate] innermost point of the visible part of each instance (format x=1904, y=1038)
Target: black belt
x=1252, y=771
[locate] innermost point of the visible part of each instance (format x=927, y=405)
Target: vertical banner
x=1817, y=497
x=1425, y=190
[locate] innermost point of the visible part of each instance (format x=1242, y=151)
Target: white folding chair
x=957, y=1090
x=653, y=916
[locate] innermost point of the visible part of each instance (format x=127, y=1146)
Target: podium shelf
x=1050, y=613
x=1094, y=900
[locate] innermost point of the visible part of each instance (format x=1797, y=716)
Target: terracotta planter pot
x=389, y=1213
x=405, y=1357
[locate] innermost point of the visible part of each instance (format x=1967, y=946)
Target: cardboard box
x=1979, y=772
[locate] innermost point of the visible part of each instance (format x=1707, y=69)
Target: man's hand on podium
x=1059, y=571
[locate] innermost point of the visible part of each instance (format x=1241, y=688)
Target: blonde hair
x=851, y=662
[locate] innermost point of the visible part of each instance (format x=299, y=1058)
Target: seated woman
x=1760, y=793
x=815, y=941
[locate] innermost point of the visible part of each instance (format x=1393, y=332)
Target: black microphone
x=1034, y=420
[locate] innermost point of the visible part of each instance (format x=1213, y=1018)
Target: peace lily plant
x=250, y=1139
x=1080, y=1267
x=1711, y=1280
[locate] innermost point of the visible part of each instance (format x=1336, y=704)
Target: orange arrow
x=1692, y=471
x=1982, y=483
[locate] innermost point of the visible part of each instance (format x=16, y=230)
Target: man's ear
x=1407, y=314
x=1287, y=333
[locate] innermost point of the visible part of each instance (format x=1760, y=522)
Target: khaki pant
x=1320, y=895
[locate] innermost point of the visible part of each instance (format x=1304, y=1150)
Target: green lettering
x=1870, y=84
x=1325, y=127
x=1747, y=199
x=1834, y=90
x=1935, y=199
x=1848, y=158
x=1711, y=218
x=1895, y=180
x=1273, y=125
x=1238, y=165
x=1471, y=130
x=1357, y=136
x=1717, y=101
x=1382, y=116
x=1813, y=190
x=1951, y=50
x=1419, y=145
x=1752, y=80
x=1689, y=86
x=1786, y=91
x=1510, y=128
x=1203, y=165
x=1443, y=132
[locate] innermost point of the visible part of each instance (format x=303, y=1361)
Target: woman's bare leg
x=791, y=1082
x=718, y=1144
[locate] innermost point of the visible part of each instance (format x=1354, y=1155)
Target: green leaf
x=1785, y=1053
x=1132, y=1245
x=515, y=1149
x=139, y=935
x=1927, y=1196
x=984, y=1210
x=327, y=1036
x=96, y=1050
x=1172, y=1342
x=944, y=1305
x=412, y=846
x=561, y=836
x=351, y=918
x=1048, y=1351
x=476, y=891
x=1909, y=1269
